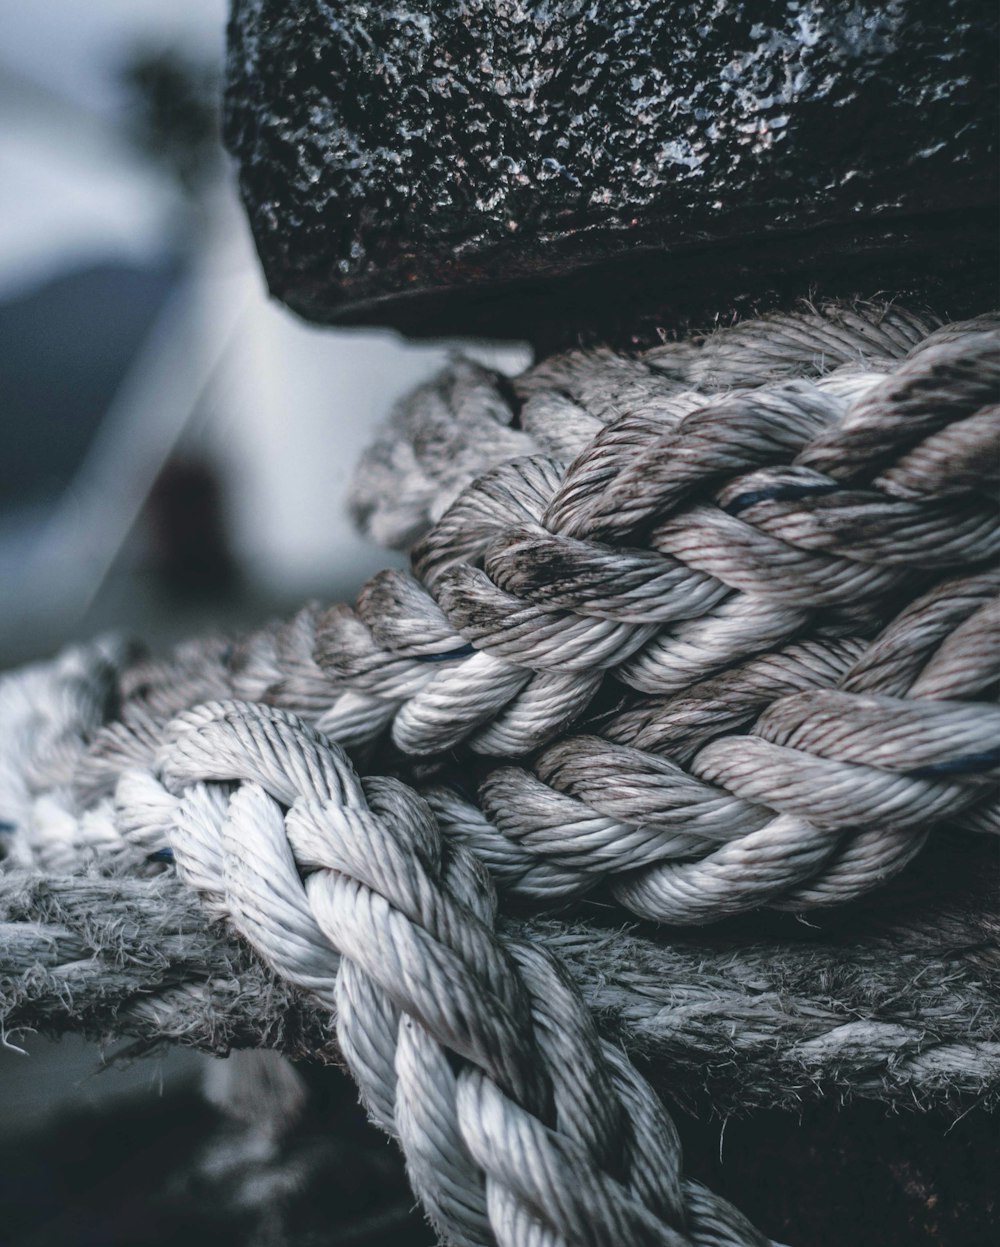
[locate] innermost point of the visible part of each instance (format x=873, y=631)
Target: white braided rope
x=519, y=1125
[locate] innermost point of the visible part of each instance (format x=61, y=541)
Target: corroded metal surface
x=419, y=163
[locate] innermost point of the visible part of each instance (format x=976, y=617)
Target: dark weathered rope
x=900, y=1003
x=838, y=742
x=450, y=431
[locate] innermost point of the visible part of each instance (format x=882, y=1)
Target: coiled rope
x=797, y=661
x=769, y=614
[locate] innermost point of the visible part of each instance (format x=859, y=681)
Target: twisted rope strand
x=449, y=432
x=547, y=602
x=537, y=1134
x=672, y=768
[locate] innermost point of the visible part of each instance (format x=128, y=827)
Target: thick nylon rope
x=689, y=536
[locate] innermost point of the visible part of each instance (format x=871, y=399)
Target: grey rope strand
x=849, y=1015
x=683, y=784
x=452, y=430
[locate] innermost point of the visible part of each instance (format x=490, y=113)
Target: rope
x=768, y=817
x=766, y=611
x=768, y=534
x=519, y=1124
x=746, y=760
x=450, y=431
x=898, y=1001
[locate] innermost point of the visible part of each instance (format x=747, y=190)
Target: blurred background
x=175, y=448
x=175, y=452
